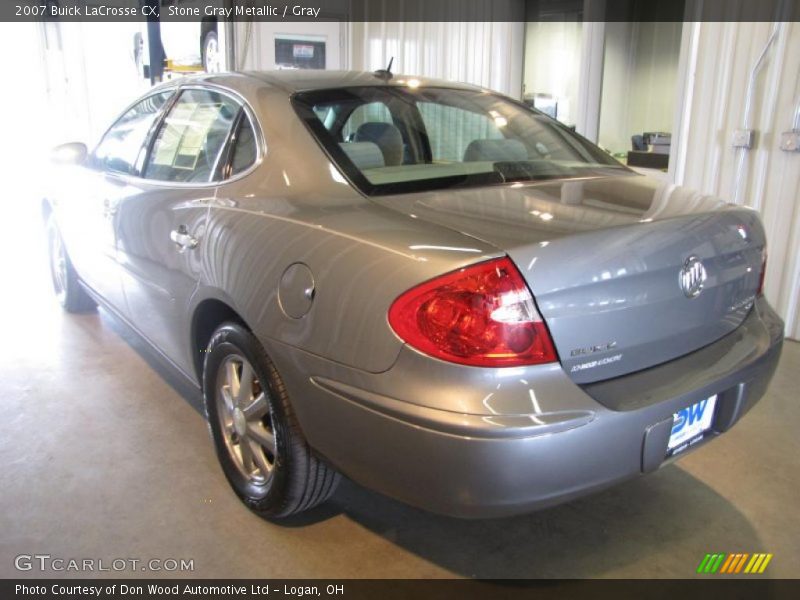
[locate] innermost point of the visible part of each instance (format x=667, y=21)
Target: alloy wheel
x=244, y=415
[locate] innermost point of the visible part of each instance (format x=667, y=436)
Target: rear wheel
x=258, y=440
x=68, y=289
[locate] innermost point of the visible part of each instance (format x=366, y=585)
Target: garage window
x=121, y=145
x=190, y=140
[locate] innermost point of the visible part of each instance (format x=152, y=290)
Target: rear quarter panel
x=296, y=208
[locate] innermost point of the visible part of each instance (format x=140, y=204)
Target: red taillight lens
x=481, y=315
x=763, y=272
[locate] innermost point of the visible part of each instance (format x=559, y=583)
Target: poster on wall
x=300, y=51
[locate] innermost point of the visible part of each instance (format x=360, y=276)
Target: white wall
x=552, y=63
x=29, y=104
x=718, y=58
x=485, y=54
x=76, y=78
x=84, y=72
x=655, y=70
x=615, y=133
x=639, y=81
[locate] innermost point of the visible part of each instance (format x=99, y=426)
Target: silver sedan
x=427, y=287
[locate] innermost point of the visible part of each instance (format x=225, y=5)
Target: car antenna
x=385, y=74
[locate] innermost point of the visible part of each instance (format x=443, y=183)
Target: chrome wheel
x=58, y=264
x=245, y=419
x=212, y=57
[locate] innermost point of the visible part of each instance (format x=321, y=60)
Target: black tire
x=71, y=295
x=298, y=479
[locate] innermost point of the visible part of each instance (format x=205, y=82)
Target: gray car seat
x=495, y=151
x=365, y=155
x=388, y=139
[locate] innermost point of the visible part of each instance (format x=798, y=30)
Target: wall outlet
x=744, y=138
x=790, y=141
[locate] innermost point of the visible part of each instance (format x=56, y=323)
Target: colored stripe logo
x=730, y=564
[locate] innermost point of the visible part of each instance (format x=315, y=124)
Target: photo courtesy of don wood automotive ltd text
x=414, y=299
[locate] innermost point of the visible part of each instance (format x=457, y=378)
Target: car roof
x=297, y=80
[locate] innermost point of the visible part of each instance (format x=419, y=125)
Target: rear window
x=395, y=139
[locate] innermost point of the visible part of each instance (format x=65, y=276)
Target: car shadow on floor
x=663, y=523
x=188, y=390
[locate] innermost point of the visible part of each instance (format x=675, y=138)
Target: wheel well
x=208, y=316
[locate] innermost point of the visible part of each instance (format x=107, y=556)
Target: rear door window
x=189, y=143
x=244, y=151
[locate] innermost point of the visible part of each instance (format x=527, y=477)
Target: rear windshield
x=396, y=139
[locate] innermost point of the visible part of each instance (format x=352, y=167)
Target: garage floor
x=105, y=455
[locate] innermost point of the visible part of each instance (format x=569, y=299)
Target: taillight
x=482, y=315
x=763, y=272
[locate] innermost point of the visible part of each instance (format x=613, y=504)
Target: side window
x=188, y=144
x=373, y=112
x=120, y=146
x=451, y=129
x=243, y=152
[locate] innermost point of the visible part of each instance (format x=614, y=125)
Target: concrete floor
x=104, y=455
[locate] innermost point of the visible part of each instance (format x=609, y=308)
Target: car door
x=162, y=225
x=88, y=216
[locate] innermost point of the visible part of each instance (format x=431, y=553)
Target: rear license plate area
x=691, y=425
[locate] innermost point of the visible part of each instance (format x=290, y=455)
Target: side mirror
x=73, y=153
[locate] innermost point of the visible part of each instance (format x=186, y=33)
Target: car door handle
x=183, y=239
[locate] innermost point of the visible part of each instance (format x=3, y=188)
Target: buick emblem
x=692, y=277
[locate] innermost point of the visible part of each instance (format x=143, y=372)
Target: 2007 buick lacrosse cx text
x=428, y=287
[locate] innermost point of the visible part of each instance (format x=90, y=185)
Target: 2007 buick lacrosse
x=428, y=287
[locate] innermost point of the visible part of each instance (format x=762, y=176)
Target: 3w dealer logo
x=727, y=564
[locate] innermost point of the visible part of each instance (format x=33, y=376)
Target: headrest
x=388, y=139
x=495, y=151
x=365, y=155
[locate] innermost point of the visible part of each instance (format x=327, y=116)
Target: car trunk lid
x=611, y=262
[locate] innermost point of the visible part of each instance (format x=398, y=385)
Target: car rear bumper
x=472, y=442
